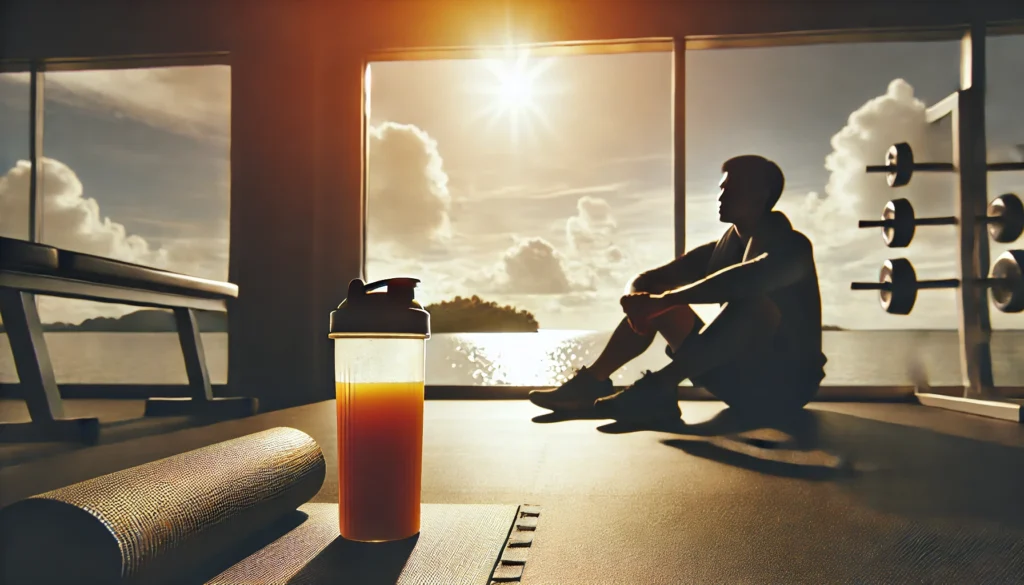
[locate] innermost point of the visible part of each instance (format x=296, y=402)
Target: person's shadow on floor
x=913, y=470
x=732, y=438
x=555, y=417
x=801, y=426
x=800, y=455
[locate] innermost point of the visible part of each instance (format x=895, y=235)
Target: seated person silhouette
x=761, y=355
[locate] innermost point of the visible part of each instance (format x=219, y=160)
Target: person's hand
x=640, y=308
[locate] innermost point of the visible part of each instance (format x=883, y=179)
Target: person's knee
x=676, y=325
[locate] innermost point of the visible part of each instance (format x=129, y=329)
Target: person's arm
x=787, y=263
x=689, y=267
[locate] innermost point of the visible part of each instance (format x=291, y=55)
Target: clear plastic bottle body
x=379, y=388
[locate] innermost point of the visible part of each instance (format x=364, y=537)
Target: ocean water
x=855, y=358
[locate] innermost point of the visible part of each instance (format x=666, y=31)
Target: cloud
x=70, y=220
x=531, y=266
x=592, y=226
x=407, y=190
x=588, y=271
x=190, y=100
x=73, y=221
x=534, y=267
x=852, y=194
x=590, y=234
x=203, y=257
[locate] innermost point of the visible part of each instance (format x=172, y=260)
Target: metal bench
x=27, y=269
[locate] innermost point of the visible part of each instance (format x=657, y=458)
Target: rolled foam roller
x=158, y=521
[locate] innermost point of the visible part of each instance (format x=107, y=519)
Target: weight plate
x=899, y=229
x=1008, y=295
x=900, y=156
x=1010, y=211
x=901, y=294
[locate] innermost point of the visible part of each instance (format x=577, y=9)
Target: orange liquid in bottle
x=380, y=459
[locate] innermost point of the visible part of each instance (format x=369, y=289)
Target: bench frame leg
x=202, y=401
x=195, y=356
x=36, y=376
x=31, y=357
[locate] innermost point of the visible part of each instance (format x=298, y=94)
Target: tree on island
x=475, y=315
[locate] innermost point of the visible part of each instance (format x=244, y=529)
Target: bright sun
x=515, y=85
x=514, y=90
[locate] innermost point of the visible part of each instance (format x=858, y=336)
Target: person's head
x=750, y=187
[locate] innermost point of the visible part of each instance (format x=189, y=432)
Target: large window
x=547, y=193
x=136, y=168
x=824, y=112
x=540, y=184
x=1005, y=134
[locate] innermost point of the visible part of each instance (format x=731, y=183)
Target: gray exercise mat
x=458, y=544
x=158, y=522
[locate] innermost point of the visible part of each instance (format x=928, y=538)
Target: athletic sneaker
x=578, y=393
x=649, y=399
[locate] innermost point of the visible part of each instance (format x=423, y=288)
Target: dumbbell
x=897, y=284
x=1005, y=219
x=899, y=166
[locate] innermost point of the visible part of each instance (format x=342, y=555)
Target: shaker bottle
x=379, y=349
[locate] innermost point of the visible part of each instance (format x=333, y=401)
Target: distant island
x=459, y=315
x=475, y=315
x=142, y=321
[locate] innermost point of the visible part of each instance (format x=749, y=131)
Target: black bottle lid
x=366, y=313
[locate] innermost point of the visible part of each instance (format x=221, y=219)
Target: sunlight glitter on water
x=522, y=360
x=547, y=357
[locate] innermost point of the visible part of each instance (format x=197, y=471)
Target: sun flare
x=515, y=85
x=514, y=90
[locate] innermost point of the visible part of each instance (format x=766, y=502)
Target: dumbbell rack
x=967, y=108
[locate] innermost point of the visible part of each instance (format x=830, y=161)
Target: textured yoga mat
x=160, y=521
x=458, y=544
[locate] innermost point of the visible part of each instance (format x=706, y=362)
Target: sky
x=548, y=201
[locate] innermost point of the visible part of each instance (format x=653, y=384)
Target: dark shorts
x=768, y=383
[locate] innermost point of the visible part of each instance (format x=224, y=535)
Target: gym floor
x=877, y=493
